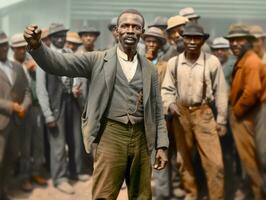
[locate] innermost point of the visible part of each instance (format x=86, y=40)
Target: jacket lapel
x=146, y=74
x=109, y=68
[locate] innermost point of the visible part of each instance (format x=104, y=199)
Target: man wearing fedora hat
x=31, y=140
x=54, y=95
x=15, y=99
x=192, y=82
x=88, y=35
x=174, y=29
x=248, y=107
x=259, y=42
x=73, y=41
x=190, y=14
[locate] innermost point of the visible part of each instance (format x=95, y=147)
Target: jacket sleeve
x=67, y=64
x=6, y=106
x=42, y=95
x=168, y=91
x=162, y=136
x=252, y=88
x=220, y=89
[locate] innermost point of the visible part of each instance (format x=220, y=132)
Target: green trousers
x=122, y=155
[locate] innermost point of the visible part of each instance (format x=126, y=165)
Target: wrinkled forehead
x=130, y=18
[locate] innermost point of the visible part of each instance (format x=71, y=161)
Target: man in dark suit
x=14, y=101
x=125, y=115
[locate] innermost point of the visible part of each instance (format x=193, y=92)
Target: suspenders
x=204, y=86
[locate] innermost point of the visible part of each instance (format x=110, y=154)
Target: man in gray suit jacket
x=15, y=99
x=123, y=114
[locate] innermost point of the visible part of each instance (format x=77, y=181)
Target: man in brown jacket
x=248, y=110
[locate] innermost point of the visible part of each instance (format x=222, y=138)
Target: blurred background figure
x=88, y=36
x=15, y=100
x=189, y=13
x=259, y=42
x=31, y=140
x=73, y=41
x=111, y=28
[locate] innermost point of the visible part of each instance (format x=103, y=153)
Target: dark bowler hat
x=112, y=23
x=3, y=38
x=239, y=30
x=88, y=29
x=55, y=28
x=160, y=22
x=155, y=32
x=193, y=29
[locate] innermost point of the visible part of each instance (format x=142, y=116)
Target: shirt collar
x=199, y=61
x=124, y=57
x=7, y=63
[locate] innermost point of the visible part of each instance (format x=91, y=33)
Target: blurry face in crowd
x=129, y=30
x=71, y=45
x=46, y=41
x=174, y=34
x=193, y=43
x=258, y=46
x=152, y=44
x=58, y=39
x=3, y=51
x=222, y=54
x=237, y=45
x=19, y=53
x=115, y=35
x=88, y=40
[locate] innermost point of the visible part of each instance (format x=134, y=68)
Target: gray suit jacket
x=100, y=68
x=18, y=92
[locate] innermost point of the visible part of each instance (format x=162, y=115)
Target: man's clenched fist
x=32, y=35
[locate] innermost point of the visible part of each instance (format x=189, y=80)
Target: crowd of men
x=213, y=100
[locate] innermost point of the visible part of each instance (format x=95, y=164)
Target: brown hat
x=73, y=37
x=257, y=31
x=176, y=21
x=17, y=40
x=88, y=29
x=3, y=38
x=55, y=28
x=155, y=32
x=193, y=29
x=45, y=32
x=239, y=30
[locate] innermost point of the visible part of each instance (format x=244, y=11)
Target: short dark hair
x=131, y=11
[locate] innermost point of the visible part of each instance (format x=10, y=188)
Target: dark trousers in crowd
x=32, y=143
x=60, y=136
x=8, y=154
x=122, y=155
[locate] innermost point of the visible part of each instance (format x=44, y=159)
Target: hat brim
x=54, y=32
x=174, y=26
x=158, y=26
x=162, y=40
x=96, y=33
x=205, y=36
x=239, y=35
x=21, y=44
x=192, y=16
x=4, y=41
x=220, y=47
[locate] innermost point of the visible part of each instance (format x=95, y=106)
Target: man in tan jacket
x=193, y=81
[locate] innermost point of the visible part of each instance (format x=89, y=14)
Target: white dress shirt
x=129, y=67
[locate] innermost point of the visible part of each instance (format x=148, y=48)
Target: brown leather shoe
x=39, y=180
x=26, y=186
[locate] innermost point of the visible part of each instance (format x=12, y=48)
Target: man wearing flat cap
x=32, y=141
x=259, y=42
x=194, y=81
x=15, y=99
x=248, y=107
